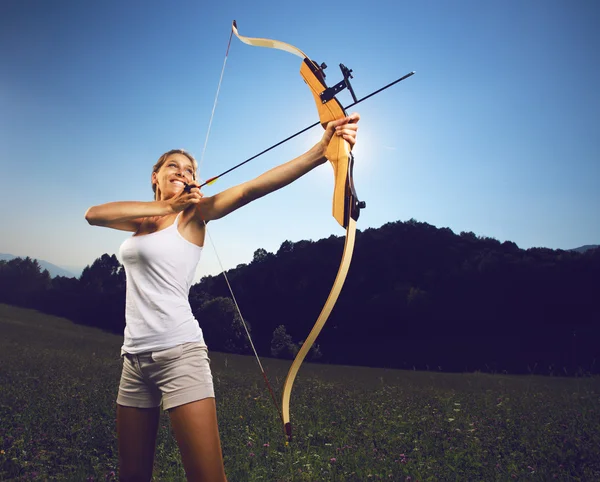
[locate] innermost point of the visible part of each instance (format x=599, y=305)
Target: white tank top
x=160, y=268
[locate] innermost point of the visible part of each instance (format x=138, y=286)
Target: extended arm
x=225, y=202
x=221, y=204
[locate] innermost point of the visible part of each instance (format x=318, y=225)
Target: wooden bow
x=346, y=206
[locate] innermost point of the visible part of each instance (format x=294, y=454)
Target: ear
x=154, y=181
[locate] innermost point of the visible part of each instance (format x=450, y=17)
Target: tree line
x=416, y=296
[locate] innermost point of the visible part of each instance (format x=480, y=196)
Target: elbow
x=90, y=217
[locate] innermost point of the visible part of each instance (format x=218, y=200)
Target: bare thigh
x=136, y=430
x=197, y=434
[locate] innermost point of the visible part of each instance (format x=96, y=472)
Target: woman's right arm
x=126, y=215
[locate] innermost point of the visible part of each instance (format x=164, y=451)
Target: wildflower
x=249, y=444
x=266, y=445
x=251, y=454
x=332, y=460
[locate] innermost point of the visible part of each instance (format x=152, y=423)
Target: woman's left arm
x=223, y=203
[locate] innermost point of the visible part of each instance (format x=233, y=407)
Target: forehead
x=180, y=158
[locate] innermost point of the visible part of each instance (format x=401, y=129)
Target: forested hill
x=416, y=296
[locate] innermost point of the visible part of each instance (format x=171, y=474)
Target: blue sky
x=497, y=133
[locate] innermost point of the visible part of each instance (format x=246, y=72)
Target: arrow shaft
x=212, y=179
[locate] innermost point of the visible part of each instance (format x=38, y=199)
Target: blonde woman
x=165, y=358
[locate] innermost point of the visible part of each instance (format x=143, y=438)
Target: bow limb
x=268, y=43
x=314, y=333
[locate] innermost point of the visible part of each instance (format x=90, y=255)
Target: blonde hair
x=162, y=159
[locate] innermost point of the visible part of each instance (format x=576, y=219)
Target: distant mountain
x=584, y=248
x=76, y=270
x=52, y=268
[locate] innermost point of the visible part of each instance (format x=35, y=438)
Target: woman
x=165, y=359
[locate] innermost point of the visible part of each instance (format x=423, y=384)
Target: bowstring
x=212, y=114
x=237, y=306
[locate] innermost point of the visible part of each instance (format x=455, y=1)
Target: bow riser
x=338, y=151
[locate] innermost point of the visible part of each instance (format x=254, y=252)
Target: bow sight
x=331, y=92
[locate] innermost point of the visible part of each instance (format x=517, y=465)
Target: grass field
x=58, y=385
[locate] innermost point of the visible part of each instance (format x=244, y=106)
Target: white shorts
x=174, y=376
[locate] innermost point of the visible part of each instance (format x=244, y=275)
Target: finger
x=347, y=127
x=348, y=134
x=193, y=200
x=353, y=118
x=347, y=124
x=350, y=119
x=347, y=131
x=350, y=140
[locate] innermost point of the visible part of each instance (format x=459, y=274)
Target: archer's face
x=173, y=175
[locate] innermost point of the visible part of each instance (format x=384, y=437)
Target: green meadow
x=58, y=385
